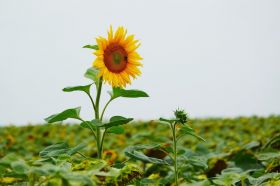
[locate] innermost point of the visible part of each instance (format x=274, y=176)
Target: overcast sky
x=213, y=58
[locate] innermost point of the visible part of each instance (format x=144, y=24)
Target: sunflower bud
x=181, y=115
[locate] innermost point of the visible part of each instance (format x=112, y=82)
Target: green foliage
x=133, y=152
x=97, y=127
x=187, y=130
x=174, y=151
x=238, y=151
x=95, y=47
x=116, y=121
x=66, y=114
x=85, y=89
x=60, y=149
x=91, y=124
x=119, y=92
x=92, y=73
x=54, y=150
x=116, y=130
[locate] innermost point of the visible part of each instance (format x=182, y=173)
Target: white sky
x=213, y=58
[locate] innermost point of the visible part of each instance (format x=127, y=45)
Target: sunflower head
x=116, y=57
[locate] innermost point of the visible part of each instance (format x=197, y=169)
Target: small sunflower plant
x=179, y=129
x=117, y=62
x=169, y=154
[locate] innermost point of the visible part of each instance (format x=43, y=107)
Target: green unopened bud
x=181, y=115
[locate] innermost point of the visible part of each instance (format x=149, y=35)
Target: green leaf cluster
x=238, y=151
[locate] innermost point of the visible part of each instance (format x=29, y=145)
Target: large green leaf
x=54, y=150
x=116, y=130
x=92, y=73
x=117, y=120
x=246, y=160
x=95, y=47
x=20, y=167
x=8, y=159
x=76, y=149
x=185, y=160
x=134, y=153
x=186, y=130
x=91, y=124
x=69, y=113
x=59, y=149
x=85, y=88
x=119, y=92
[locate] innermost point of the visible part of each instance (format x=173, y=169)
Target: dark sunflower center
x=115, y=58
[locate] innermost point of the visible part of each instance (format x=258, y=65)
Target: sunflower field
x=237, y=151
x=241, y=151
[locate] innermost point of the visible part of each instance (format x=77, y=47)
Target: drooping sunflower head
x=116, y=57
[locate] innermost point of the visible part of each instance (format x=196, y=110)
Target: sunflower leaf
x=116, y=121
x=91, y=124
x=92, y=73
x=58, y=149
x=85, y=88
x=119, y=92
x=54, y=150
x=76, y=149
x=134, y=152
x=69, y=113
x=95, y=47
x=186, y=130
x=116, y=130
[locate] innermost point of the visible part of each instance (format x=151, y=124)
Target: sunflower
x=116, y=57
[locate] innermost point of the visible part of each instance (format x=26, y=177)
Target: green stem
x=92, y=102
x=103, y=111
x=102, y=140
x=98, y=130
x=92, y=130
x=173, y=127
x=99, y=87
x=99, y=156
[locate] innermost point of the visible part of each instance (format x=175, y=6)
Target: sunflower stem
x=99, y=88
x=173, y=127
x=87, y=123
x=102, y=114
x=99, y=134
x=92, y=102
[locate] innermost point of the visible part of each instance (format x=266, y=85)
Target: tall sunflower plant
x=116, y=64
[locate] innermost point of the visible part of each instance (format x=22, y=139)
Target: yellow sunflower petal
x=125, y=76
x=132, y=48
x=134, y=56
x=98, y=63
x=120, y=34
x=101, y=42
x=117, y=59
x=99, y=53
x=128, y=40
x=110, y=33
x=135, y=62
